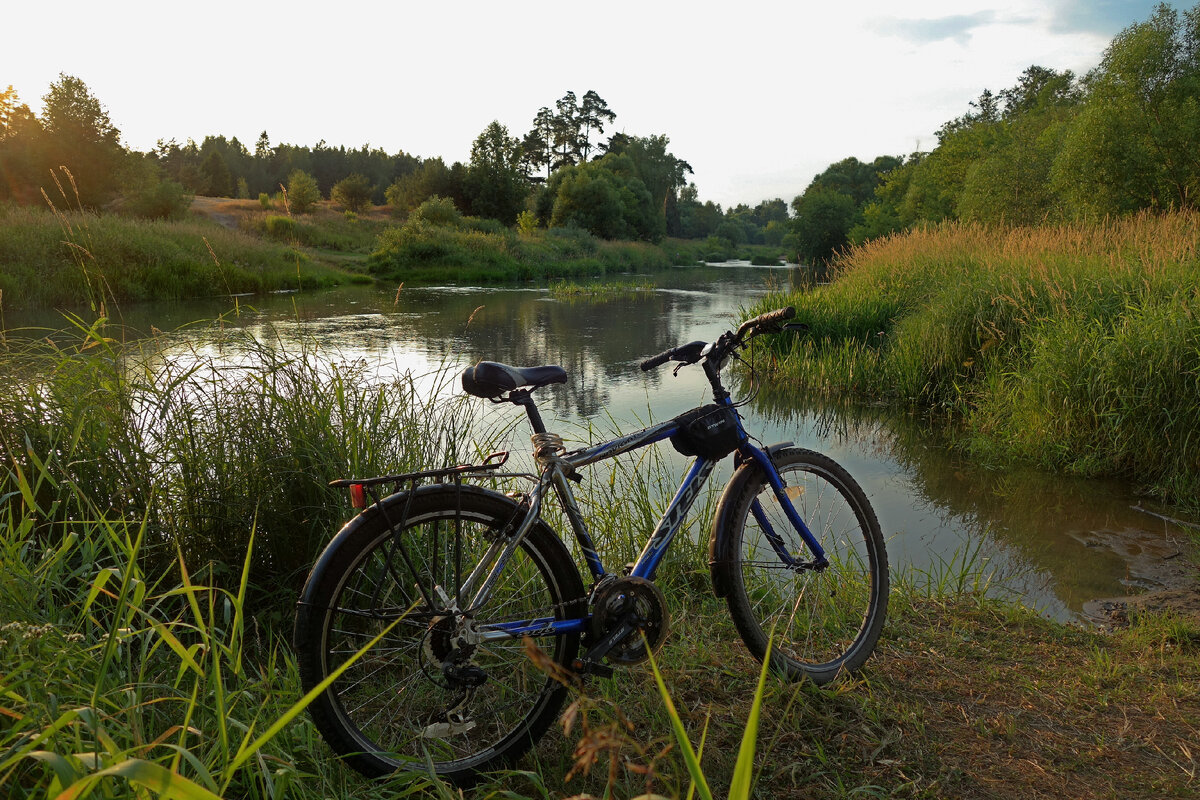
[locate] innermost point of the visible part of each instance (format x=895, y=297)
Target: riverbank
x=156, y=525
x=1073, y=348
x=74, y=259
x=51, y=259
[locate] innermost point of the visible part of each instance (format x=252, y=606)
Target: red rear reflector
x=358, y=498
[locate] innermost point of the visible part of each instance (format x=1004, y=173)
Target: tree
x=605, y=198
x=822, y=224
x=496, y=183
x=302, y=192
x=564, y=137
x=661, y=171
x=1136, y=141
x=80, y=136
x=593, y=114
x=218, y=179
x=20, y=134
x=353, y=192
x=537, y=148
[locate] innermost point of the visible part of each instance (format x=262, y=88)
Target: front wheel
x=434, y=690
x=825, y=620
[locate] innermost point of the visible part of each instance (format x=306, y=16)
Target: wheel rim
x=819, y=618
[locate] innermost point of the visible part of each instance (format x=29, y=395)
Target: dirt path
x=215, y=208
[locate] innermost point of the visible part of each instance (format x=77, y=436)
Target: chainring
x=642, y=598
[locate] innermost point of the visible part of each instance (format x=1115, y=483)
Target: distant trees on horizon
x=1052, y=147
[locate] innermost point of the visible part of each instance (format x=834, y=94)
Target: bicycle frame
x=555, y=474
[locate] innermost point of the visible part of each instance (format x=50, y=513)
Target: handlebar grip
x=768, y=318
x=654, y=361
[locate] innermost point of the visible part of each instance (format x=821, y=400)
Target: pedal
x=583, y=667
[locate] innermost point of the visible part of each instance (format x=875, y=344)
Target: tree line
x=1053, y=147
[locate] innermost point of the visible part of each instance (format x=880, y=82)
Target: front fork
x=780, y=489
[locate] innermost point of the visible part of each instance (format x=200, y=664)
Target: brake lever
x=797, y=327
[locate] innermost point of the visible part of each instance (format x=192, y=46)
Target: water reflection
x=1057, y=542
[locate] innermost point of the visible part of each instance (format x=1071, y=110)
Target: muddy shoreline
x=1164, y=574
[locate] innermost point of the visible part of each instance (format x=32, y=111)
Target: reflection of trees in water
x=595, y=343
x=1056, y=524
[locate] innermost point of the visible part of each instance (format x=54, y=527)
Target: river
x=1052, y=541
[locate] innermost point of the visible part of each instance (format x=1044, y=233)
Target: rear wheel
x=400, y=704
x=825, y=620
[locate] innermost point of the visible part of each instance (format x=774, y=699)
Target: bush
x=437, y=211
x=352, y=192
x=264, y=200
x=302, y=192
x=162, y=200
x=278, y=227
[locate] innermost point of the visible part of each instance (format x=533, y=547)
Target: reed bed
x=1072, y=347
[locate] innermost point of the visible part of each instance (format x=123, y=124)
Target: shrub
x=162, y=200
x=264, y=200
x=437, y=211
x=278, y=227
x=302, y=192
x=353, y=192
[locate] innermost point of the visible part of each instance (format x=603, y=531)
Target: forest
x=1053, y=147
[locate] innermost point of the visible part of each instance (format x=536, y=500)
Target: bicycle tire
x=824, y=622
x=382, y=714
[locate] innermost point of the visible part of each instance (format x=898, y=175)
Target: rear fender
x=393, y=506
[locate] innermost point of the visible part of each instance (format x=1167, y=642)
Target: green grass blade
x=685, y=747
x=743, y=770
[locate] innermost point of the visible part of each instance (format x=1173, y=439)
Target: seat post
x=525, y=398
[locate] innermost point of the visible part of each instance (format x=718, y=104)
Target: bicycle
x=465, y=575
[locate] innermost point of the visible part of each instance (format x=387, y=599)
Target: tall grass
x=74, y=258
x=205, y=444
x=1074, y=347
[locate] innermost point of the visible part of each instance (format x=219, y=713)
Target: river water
x=1049, y=540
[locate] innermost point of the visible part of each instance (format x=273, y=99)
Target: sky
x=757, y=96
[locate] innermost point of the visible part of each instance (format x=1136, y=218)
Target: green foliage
x=1074, y=347
x=280, y=227
x=432, y=178
x=352, y=193
x=264, y=201
x=163, y=200
x=437, y=211
x=75, y=259
x=822, y=225
x=1135, y=141
x=302, y=192
x=527, y=223
x=495, y=181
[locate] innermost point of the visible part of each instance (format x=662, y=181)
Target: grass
x=153, y=518
x=1073, y=347
x=599, y=292
x=81, y=259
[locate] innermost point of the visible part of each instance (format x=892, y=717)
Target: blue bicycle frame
x=556, y=472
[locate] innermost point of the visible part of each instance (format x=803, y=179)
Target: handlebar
x=769, y=319
x=768, y=322
x=687, y=353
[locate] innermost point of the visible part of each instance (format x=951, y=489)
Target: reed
x=1073, y=347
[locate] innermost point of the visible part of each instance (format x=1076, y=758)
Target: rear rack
x=362, y=488
x=492, y=462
